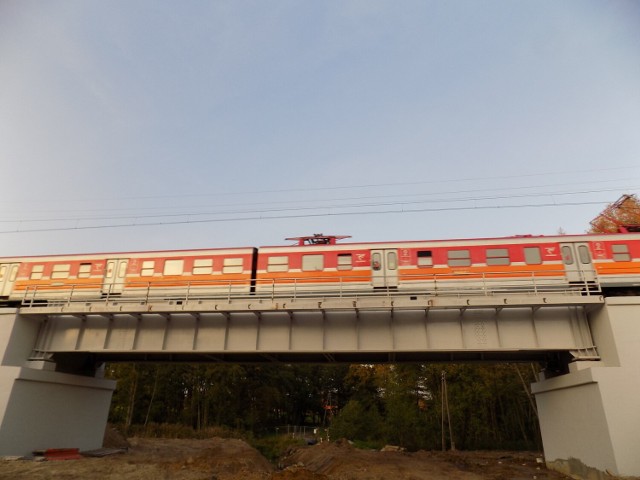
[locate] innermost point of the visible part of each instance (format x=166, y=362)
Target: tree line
x=489, y=406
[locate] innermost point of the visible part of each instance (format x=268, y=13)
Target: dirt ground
x=232, y=459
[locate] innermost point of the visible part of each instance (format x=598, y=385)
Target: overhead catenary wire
x=79, y=200
x=369, y=185
x=316, y=206
x=309, y=215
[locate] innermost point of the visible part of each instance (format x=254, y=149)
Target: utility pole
x=445, y=406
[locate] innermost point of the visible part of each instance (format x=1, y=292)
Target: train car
x=127, y=275
x=318, y=263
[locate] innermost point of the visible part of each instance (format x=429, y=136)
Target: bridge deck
x=385, y=327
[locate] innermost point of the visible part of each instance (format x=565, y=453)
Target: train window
x=232, y=265
x=459, y=258
x=345, y=261
x=173, y=267
x=621, y=252
x=148, y=267
x=567, y=255
x=14, y=274
x=583, y=253
x=376, y=261
x=203, y=266
x=312, y=263
x=425, y=259
x=3, y=271
x=392, y=260
x=278, y=264
x=498, y=256
x=532, y=255
x=61, y=271
x=84, y=271
x=122, y=269
x=36, y=272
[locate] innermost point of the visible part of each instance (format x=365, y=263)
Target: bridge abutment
x=41, y=408
x=589, y=418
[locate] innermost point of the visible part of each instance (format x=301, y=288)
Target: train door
x=384, y=268
x=114, y=275
x=8, y=275
x=578, y=265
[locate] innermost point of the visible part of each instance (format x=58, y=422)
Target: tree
x=622, y=215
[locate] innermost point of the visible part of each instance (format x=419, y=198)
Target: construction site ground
x=234, y=459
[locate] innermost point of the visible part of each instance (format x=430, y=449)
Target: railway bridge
x=52, y=354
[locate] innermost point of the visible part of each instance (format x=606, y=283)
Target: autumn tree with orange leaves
x=621, y=216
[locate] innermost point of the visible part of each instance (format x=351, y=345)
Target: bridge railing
x=344, y=286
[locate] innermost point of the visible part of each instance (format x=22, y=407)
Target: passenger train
x=321, y=264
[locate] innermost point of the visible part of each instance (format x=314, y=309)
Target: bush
x=273, y=447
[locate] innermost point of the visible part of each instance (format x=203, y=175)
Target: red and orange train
x=320, y=264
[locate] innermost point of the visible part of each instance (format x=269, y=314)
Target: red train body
x=320, y=265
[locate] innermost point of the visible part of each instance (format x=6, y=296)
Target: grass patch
x=272, y=447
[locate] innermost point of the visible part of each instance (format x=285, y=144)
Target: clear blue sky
x=238, y=123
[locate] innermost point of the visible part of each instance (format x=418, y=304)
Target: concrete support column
x=590, y=417
x=40, y=408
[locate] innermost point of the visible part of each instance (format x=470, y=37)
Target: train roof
x=550, y=238
x=333, y=242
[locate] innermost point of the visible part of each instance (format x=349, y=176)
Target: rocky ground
x=233, y=459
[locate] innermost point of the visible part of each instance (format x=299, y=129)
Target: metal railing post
x=70, y=295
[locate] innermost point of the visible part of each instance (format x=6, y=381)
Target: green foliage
x=273, y=447
x=359, y=422
x=372, y=405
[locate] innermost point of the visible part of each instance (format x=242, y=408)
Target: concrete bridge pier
x=41, y=408
x=590, y=417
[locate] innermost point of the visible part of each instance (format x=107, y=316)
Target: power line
x=353, y=187
x=279, y=217
x=316, y=207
